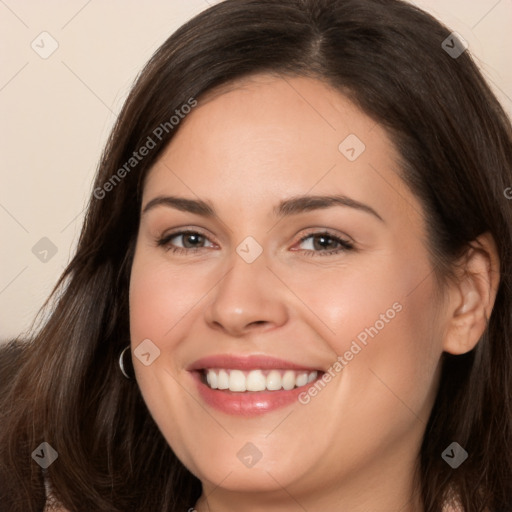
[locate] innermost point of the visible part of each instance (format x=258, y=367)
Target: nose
x=248, y=298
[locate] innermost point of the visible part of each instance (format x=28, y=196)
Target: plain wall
x=57, y=110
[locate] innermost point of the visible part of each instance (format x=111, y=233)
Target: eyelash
x=345, y=244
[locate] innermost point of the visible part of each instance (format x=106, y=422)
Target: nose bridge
x=246, y=295
x=245, y=274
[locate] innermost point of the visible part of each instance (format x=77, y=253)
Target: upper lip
x=248, y=362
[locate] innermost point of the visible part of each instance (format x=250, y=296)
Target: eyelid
x=319, y=230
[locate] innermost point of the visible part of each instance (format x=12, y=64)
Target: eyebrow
x=286, y=208
x=196, y=206
x=300, y=204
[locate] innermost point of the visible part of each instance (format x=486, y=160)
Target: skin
x=243, y=150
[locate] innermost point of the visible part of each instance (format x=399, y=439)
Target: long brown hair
x=455, y=143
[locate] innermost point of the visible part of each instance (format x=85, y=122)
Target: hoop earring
x=121, y=363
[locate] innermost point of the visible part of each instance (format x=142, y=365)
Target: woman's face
x=303, y=252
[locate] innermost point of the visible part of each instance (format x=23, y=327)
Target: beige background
x=56, y=113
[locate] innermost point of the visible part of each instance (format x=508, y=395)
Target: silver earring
x=121, y=363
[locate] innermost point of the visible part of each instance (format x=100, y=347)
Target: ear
x=472, y=298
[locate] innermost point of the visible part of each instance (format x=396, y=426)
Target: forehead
x=266, y=138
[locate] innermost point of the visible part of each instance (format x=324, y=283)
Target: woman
x=292, y=290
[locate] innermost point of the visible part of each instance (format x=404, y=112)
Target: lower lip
x=247, y=403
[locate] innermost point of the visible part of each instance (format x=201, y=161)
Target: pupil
x=323, y=242
x=192, y=240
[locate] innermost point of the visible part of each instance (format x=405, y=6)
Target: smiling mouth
x=256, y=380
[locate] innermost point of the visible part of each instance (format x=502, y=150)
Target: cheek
x=161, y=300
x=161, y=295
x=380, y=319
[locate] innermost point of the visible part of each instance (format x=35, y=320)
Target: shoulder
x=452, y=504
x=53, y=505
x=54, y=508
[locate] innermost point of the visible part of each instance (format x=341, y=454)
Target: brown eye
x=184, y=240
x=324, y=243
x=191, y=240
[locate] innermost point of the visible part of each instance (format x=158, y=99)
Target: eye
x=324, y=243
x=184, y=241
x=320, y=243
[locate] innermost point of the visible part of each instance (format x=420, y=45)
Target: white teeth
x=274, y=381
x=211, y=378
x=237, y=381
x=223, y=380
x=302, y=379
x=258, y=380
x=288, y=380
